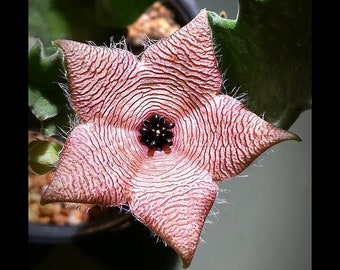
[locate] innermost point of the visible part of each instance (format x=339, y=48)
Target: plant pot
x=57, y=234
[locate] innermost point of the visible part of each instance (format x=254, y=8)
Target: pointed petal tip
x=186, y=256
x=66, y=44
x=58, y=42
x=61, y=43
x=45, y=198
x=186, y=262
x=288, y=135
x=295, y=137
x=44, y=201
x=280, y=134
x=50, y=194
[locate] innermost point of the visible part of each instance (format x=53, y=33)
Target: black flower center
x=156, y=132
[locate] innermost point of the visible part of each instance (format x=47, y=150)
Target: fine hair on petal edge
x=148, y=42
x=126, y=208
x=73, y=122
x=258, y=162
x=73, y=119
x=214, y=211
x=79, y=206
x=121, y=44
x=158, y=239
x=234, y=92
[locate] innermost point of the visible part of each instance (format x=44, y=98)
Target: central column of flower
x=156, y=132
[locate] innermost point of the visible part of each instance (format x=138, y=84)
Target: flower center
x=156, y=132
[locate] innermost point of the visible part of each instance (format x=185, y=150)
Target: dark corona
x=156, y=132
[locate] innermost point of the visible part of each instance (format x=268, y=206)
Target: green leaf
x=46, y=99
x=43, y=155
x=46, y=21
x=266, y=53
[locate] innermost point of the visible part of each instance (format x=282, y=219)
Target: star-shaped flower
x=156, y=133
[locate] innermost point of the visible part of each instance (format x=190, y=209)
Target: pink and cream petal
x=112, y=85
x=96, y=166
x=113, y=92
x=172, y=197
x=225, y=137
x=98, y=78
x=187, y=62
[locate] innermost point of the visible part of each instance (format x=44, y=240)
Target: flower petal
x=172, y=197
x=186, y=60
x=98, y=77
x=173, y=76
x=96, y=166
x=224, y=137
x=215, y=136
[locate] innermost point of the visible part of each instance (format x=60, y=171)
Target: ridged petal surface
x=225, y=137
x=173, y=198
x=215, y=136
x=96, y=166
x=171, y=78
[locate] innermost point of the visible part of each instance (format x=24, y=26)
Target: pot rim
x=52, y=233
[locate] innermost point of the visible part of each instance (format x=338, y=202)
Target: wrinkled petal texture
x=225, y=137
x=173, y=198
x=95, y=166
x=215, y=136
x=173, y=77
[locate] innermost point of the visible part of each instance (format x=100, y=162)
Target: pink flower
x=156, y=133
